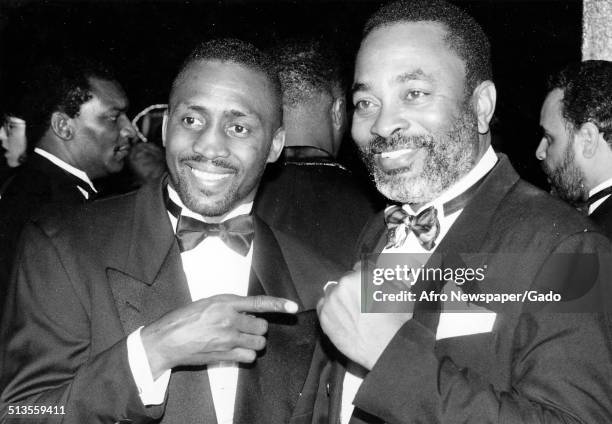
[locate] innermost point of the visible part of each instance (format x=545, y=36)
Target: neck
x=304, y=127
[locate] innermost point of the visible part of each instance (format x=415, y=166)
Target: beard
x=449, y=156
x=207, y=203
x=566, y=180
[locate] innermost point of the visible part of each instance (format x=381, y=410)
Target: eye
x=192, y=122
x=238, y=130
x=415, y=95
x=363, y=105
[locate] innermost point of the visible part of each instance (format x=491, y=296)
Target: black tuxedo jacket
x=37, y=185
x=602, y=216
x=534, y=366
x=84, y=284
x=318, y=202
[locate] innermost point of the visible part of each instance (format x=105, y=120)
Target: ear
x=62, y=125
x=338, y=113
x=485, y=96
x=589, y=137
x=164, y=126
x=278, y=142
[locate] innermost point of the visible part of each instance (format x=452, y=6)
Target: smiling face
x=556, y=151
x=102, y=130
x=413, y=122
x=222, y=127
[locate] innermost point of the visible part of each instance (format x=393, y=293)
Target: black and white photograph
x=306, y=211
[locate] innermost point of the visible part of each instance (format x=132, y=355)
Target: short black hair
x=61, y=86
x=464, y=35
x=587, y=94
x=308, y=67
x=238, y=52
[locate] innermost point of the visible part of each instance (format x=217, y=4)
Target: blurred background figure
x=13, y=137
x=78, y=131
x=309, y=194
x=14, y=143
x=576, y=124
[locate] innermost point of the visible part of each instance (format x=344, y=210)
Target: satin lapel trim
x=152, y=235
x=269, y=266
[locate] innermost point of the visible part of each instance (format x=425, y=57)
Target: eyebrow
x=235, y=113
x=418, y=74
x=414, y=75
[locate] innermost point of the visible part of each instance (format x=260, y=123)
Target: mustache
x=396, y=141
x=218, y=162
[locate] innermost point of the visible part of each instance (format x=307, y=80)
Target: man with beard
x=423, y=101
x=140, y=308
x=576, y=121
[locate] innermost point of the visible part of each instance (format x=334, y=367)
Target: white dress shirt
x=68, y=168
x=211, y=268
x=596, y=190
x=352, y=381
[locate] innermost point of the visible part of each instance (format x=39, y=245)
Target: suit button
x=327, y=389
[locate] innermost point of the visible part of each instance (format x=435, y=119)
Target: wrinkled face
x=13, y=138
x=412, y=122
x=222, y=127
x=556, y=151
x=102, y=130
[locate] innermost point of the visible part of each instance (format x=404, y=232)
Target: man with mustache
x=174, y=304
x=423, y=100
x=78, y=131
x=575, y=147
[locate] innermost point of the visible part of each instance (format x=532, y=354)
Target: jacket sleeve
x=46, y=358
x=559, y=367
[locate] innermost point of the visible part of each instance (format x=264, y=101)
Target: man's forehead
x=410, y=50
x=230, y=86
x=109, y=93
x=552, y=106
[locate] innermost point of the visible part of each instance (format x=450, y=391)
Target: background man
x=305, y=194
x=175, y=257
x=79, y=131
x=423, y=102
x=576, y=121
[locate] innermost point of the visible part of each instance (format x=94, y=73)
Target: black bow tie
x=237, y=233
x=425, y=225
x=599, y=195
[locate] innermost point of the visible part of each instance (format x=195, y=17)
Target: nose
x=211, y=144
x=388, y=121
x=127, y=129
x=541, y=150
x=3, y=135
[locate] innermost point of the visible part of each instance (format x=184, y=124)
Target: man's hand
x=362, y=337
x=214, y=329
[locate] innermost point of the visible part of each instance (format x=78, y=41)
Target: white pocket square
x=454, y=324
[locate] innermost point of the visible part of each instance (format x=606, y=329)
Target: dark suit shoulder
x=88, y=221
x=535, y=208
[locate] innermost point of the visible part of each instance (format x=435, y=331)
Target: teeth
x=395, y=153
x=209, y=176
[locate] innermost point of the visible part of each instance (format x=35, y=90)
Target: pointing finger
x=265, y=304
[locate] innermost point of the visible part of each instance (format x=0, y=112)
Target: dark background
x=146, y=41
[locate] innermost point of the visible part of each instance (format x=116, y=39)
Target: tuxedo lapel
x=465, y=236
x=149, y=283
x=270, y=388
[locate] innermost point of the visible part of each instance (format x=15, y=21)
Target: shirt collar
x=607, y=183
x=599, y=187
x=484, y=165
x=66, y=167
x=242, y=209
